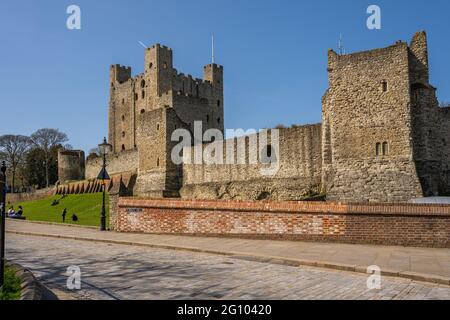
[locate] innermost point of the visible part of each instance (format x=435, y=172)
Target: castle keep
x=383, y=136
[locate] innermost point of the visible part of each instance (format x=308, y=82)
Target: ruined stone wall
x=445, y=151
x=122, y=162
x=367, y=116
x=71, y=165
x=297, y=157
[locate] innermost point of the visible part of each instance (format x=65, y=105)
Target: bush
x=11, y=288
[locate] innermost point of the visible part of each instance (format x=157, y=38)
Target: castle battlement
x=383, y=136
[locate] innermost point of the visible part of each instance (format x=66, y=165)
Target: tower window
x=150, y=65
x=385, y=148
x=384, y=86
x=207, y=118
x=165, y=65
x=136, y=97
x=123, y=118
x=123, y=147
x=143, y=94
x=218, y=103
x=142, y=83
x=157, y=126
x=123, y=134
x=378, y=149
x=218, y=120
x=157, y=162
x=267, y=155
x=123, y=101
x=142, y=111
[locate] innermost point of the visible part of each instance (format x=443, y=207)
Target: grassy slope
x=11, y=289
x=86, y=206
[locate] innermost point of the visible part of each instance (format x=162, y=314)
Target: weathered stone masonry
x=383, y=136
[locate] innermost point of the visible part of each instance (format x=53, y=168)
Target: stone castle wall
x=297, y=159
x=117, y=163
x=383, y=137
x=71, y=165
x=369, y=135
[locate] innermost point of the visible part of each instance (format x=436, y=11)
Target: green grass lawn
x=11, y=289
x=87, y=207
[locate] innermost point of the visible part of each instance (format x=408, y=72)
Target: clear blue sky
x=274, y=54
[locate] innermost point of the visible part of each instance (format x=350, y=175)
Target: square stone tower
x=144, y=111
x=384, y=135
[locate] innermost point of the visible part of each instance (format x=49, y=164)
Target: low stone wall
x=13, y=198
x=381, y=224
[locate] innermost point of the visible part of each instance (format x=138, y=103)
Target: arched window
x=123, y=118
x=378, y=149
x=385, y=149
x=218, y=120
x=150, y=65
x=143, y=84
x=123, y=147
x=267, y=155
x=123, y=134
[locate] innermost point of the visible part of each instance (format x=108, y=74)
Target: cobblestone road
x=126, y=272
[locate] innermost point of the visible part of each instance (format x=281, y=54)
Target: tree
x=13, y=150
x=46, y=140
x=34, y=168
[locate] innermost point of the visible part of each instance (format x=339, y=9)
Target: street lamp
x=104, y=148
x=3, y=215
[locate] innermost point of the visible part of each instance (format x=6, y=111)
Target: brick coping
x=335, y=208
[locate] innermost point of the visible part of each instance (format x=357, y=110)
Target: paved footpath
x=424, y=264
x=243, y=264
x=114, y=271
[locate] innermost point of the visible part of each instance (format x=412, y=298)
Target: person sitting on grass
x=11, y=211
x=74, y=218
x=19, y=212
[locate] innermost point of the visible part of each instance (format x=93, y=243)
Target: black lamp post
x=3, y=215
x=104, y=148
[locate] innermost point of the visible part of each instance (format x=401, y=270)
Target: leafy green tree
x=46, y=140
x=36, y=172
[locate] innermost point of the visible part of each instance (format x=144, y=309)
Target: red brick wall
x=384, y=224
